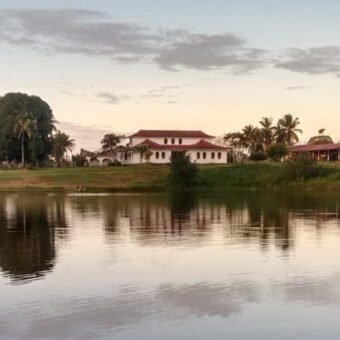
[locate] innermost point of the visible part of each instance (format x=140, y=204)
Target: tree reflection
x=27, y=235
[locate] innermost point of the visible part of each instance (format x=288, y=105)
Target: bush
x=182, y=171
x=277, y=151
x=79, y=159
x=302, y=167
x=258, y=156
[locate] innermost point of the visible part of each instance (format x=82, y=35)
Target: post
x=328, y=155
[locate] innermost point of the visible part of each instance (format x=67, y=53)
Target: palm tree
x=142, y=149
x=110, y=142
x=267, y=130
x=25, y=127
x=235, y=140
x=252, y=138
x=286, y=131
x=61, y=144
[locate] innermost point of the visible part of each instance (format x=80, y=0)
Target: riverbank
x=153, y=178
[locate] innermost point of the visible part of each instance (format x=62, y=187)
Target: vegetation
x=110, y=142
x=182, y=171
x=61, y=144
x=147, y=177
x=142, y=150
x=253, y=139
x=321, y=138
x=258, y=156
x=277, y=151
x=26, y=128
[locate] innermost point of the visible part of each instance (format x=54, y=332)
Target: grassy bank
x=262, y=176
x=132, y=178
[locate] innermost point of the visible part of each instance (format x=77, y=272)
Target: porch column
x=328, y=155
x=338, y=155
x=318, y=156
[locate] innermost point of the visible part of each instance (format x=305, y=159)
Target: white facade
x=196, y=144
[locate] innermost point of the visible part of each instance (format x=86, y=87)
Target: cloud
x=292, y=88
x=111, y=98
x=208, y=52
x=128, y=308
x=316, y=60
x=92, y=33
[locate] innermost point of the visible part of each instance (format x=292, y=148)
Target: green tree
x=147, y=155
x=24, y=129
x=235, y=140
x=267, y=130
x=110, y=142
x=14, y=106
x=182, y=172
x=277, y=151
x=61, y=144
x=142, y=149
x=321, y=138
x=287, y=130
x=252, y=138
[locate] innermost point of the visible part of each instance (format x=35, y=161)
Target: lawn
x=140, y=177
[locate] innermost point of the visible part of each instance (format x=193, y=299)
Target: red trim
x=171, y=133
x=318, y=147
x=201, y=145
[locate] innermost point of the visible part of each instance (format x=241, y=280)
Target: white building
x=196, y=144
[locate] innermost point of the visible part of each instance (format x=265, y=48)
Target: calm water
x=240, y=266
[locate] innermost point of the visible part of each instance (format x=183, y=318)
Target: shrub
x=277, y=151
x=302, y=167
x=258, y=156
x=182, y=171
x=79, y=159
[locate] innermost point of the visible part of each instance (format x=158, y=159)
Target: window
x=157, y=155
x=180, y=141
x=172, y=140
x=198, y=155
x=219, y=155
x=165, y=140
x=163, y=155
x=213, y=155
x=204, y=155
x=126, y=156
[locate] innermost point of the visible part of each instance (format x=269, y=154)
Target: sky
x=120, y=66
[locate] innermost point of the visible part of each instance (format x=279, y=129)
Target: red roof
x=317, y=147
x=201, y=145
x=171, y=133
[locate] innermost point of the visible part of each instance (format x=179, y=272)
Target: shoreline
x=148, y=178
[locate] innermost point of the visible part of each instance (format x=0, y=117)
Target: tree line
x=28, y=133
x=260, y=140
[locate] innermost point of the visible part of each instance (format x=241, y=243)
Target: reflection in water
x=141, y=266
x=27, y=235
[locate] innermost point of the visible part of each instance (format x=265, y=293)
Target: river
x=181, y=266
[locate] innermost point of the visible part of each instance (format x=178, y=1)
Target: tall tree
x=287, y=130
x=61, y=144
x=267, y=130
x=110, y=142
x=12, y=107
x=24, y=129
x=252, y=138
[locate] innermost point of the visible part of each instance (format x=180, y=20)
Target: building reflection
x=266, y=220
x=28, y=231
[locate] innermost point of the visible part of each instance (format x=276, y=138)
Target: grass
x=146, y=177
x=132, y=178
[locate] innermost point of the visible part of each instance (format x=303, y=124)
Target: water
x=236, y=266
